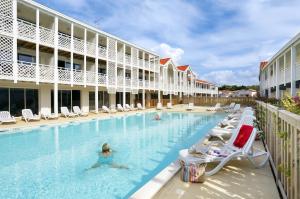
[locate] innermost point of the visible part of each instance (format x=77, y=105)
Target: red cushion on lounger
x=243, y=136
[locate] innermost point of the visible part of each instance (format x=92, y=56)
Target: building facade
x=281, y=74
x=50, y=60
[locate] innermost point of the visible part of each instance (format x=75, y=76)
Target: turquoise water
x=50, y=162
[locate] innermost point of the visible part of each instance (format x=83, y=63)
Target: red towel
x=243, y=136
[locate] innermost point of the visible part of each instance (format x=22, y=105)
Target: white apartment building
x=281, y=74
x=50, y=60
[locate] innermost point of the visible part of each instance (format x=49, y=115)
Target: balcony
x=78, y=77
x=120, y=56
x=102, y=52
x=90, y=77
x=140, y=63
x=127, y=82
x=26, y=30
x=120, y=80
x=101, y=78
x=127, y=59
x=91, y=48
x=26, y=71
x=78, y=45
x=64, y=75
x=46, y=36
x=6, y=70
x=64, y=41
x=6, y=24
x=141, y=84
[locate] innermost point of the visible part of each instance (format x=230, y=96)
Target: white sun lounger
x=5, y=117
x=120, y=108
x=231, y=132
x=159, y=106
x=140, y=107
x=169, y=105
x=65, y=112
x=235, y=109
x=226, y=152
x=46, y=113
x=78, y=111
x=133, y=108
x=107, y=110
x=28, y=115
x=230, y=106
x=190, y=107
x=217, y=107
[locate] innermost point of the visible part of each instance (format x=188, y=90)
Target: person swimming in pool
x=105, y=157
x=157, y=117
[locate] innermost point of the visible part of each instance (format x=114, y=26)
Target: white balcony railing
x=26, y=71
x=26, y=29
x=120, y=80
x=90, y=77
x=127, y=81
x=140, y=63
x=141, y=84
x=64, y=40
x=46, y=73
x=127, y=59
x=6, y=23
x=46, y=36
x=91, y=48
x=102, y=52
x=120, y=57
x=78, y=45
x=78, y=76
x=64, y=75
x=6, y=69
x=101, y=78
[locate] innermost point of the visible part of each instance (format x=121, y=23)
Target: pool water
x=51, y=161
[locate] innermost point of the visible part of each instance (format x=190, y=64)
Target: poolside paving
x=238, y=179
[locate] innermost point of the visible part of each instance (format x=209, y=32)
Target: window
x=26, y=58
x=64, y=64
x=68, y=98
x=17, y=99
x=4, y=99
x=32, y=99
x=102, y=70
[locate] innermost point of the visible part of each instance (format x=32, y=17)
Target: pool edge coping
x=153, y=186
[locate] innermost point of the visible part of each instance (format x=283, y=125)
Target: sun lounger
x=159, y=106
x=169, y=105
x=240, y=147
x=5, y=117
x=78, y=111
x=230, y=106
x=140, y=107
x=235, y=109
x=133, y=108
x=107, y=110
x=65, y=112
x=190, y=107
x=121, y=109
x=46, y=114
x=28, y=115
x=217, y=107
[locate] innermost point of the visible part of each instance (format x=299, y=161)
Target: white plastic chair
x=5, y=117
x=78, y=111
x=46, y=113
x=28, y=115
x=65, y=112
x=217, y=107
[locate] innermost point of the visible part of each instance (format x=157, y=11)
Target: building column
x=158, y=94
x=293, y=71
x=37, y=48
x=55, y=90
x=277, y=94
x=71, y=54
x=96, y=76
x=112, y=99
x=84, y=58
x=124, y=75
x=15, y=42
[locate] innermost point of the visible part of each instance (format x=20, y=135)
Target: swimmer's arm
x=117, y=166
x=96, y=165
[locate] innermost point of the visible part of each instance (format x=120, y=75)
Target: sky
x=222, y=40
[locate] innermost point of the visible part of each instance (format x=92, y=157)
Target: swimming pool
x=50, y=161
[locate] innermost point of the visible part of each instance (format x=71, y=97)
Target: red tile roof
x=263, y=64
x=183, y=68
x=202, y=81
x=164, y=61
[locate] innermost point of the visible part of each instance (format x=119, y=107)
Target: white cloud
x=166, y=50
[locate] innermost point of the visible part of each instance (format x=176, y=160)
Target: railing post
x=293, y=70
x=96, y=75
x=55, y=67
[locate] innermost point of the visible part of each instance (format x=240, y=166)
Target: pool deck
x=22, y=124
x=238, y=179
